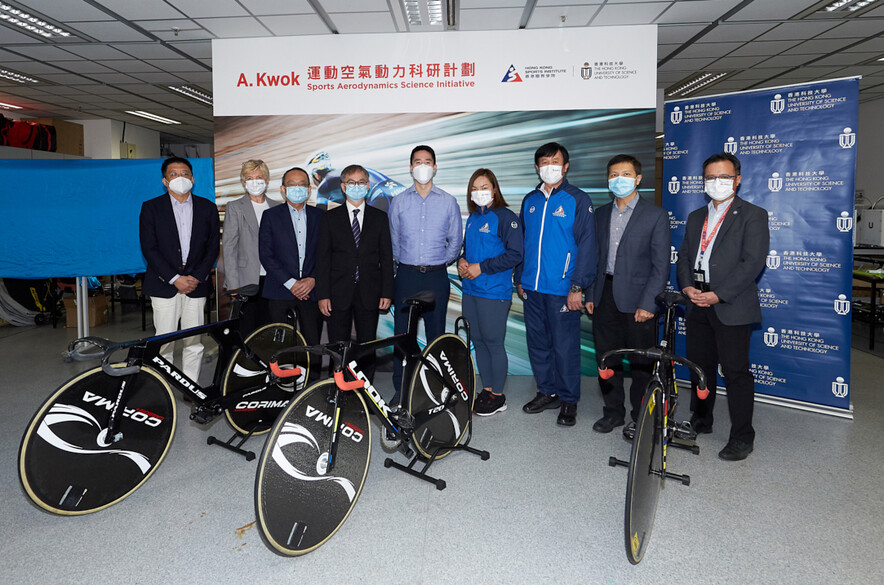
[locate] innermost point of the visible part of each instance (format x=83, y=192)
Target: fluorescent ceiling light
x=847, y=5
x=700, y=80
x=152, y=117
x=192, y=93
x=416, y=10
x=29, y=22
x=12, y=75
x=9, y=106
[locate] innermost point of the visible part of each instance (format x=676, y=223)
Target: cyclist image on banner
x=327, y=181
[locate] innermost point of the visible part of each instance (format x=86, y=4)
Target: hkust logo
x=777, y=104
x=731, y=145
x=844, y=223
x=512, y=76
x=847, y=138
x=773, y=260
x=673, y=255
x=586, y=71
x=771, y=337
x=674, y=185
x=775, y=182
x=842, y=305
x=675, y=116
x=839, y=387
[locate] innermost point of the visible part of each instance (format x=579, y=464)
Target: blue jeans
x=487, y=319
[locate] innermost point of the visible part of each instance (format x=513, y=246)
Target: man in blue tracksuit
x=559, y=263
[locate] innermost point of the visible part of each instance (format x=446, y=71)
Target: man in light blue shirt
x=427, y=232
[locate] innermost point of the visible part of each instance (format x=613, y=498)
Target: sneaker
x=481, y=399
x=541, y=402
x=629, y=431
x=492, y=404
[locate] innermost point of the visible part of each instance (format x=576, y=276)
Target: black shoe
x=629, y=431
x=567, y=415
x=541, y=402
x=606, y=424
x=492, y=404
x=699, y=428
x=735, y=451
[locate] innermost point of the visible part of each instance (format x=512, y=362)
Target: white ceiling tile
x=867, y=71
x=490, y=19
x=875, y=13
x=819, y=46
x=876, y=45
x=265, y=7
x=844, y=59
x=13, y=37
x=201, y=77
x=129, y=66
x=67, y=10
x=195, y=34
x=665, y=50
x=152, y=50
x=35, y=68
x=855, y=28
x=46, y=53
x=97, y=52
x=298, y=24
x=709, y=49
x=678, y=64
x=785, y=61
x=571, y=2
x=642, y=13
x=69, y=90
x=350, y=6
x=363, y=22
x=159, y=77
x=737, y=31
x=798, y=30
x=202, y=49
x=772, y=9
x=203, y=9
x=174, y=65
x=111, y=77
x=753, y=74
x=677, y=33
x=68, y=79
x=7, y=57
x=730, y=63
x=143, y=89
x=551, y=16
x=234, y=27
x=85, y=67
x=506, y=3
x=706, y=11
x=108, y=32
x=766, y=48
x=141, y=9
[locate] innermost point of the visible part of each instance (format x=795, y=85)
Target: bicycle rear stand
x=237, y=448
x=683, y=478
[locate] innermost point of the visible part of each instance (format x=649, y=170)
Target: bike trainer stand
x=687, y=445
x=237, y=448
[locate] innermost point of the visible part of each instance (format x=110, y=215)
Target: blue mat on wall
x=63, y=218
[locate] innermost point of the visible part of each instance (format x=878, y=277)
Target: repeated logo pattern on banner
x=797, y=148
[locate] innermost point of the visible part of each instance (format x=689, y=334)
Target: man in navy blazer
x=633, y=265
x=354, y=281
x=721, y=257
x=180, y=238
x=287, y=248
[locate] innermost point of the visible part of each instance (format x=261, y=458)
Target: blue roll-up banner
x=797, y=147
x=64, y=218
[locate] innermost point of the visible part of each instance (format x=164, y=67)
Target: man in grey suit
x=721, y=257
x=242, y=218
x=632, y=235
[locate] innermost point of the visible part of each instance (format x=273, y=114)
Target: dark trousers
x=615, y=330
x=255, y=312
x=553, y=337
x=410, y=281
x=309, y=324
x=709, y=343
x=487, y=318
x=364, y=318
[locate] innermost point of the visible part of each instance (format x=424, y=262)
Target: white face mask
x=720, y=189
x=181, y=185
x=256, y=187
x=551, y=174
x=482, y=198
x=423, y=174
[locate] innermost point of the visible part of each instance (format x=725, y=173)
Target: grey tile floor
x=805, y=508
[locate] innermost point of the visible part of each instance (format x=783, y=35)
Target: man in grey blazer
x=721, y=257
x=242, y=218
x=633, y=265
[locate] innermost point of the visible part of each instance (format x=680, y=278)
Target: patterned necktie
x=356, y=234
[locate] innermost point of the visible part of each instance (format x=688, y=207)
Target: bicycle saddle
x=425, y=299
x=672, y=297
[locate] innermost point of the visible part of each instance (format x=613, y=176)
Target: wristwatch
x=576, y=289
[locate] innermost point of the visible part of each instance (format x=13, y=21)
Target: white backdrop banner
x=562, y=69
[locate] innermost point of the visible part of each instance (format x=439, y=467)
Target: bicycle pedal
x=685, y=431
x=403, y=419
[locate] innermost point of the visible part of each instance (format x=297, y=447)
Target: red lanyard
x=704, y=241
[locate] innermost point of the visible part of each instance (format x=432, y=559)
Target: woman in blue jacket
x=492, y=248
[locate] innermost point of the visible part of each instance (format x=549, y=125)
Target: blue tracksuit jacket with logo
x=560, y=246
x=493, y=238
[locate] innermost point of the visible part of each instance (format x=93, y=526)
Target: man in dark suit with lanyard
x=721, y=257
x=180, y=238
x=287, y=248
x=632, y=235
x=354, y=280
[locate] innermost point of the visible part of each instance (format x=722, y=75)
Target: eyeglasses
x=722, y=177
x=357, y=183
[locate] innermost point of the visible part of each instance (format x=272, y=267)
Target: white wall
x=870, y=148
x=102, y=137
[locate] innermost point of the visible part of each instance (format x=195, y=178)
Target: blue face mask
x=296, y=195
x=621, y=186
x=357, y=192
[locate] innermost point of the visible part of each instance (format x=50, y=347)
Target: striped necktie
x=356, y=234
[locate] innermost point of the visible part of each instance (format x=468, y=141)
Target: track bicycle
x=655, y=430
x=315, y=460
x=103, y=433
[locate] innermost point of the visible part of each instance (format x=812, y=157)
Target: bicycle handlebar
x=655, y=353
x=87, y=348
x=354, y=385
x=284, y=372
x=119, y=371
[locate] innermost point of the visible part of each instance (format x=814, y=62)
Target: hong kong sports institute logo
x=511, y=76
